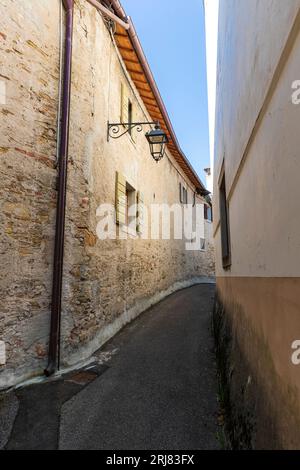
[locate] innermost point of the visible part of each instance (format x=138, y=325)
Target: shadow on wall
x=257, y=405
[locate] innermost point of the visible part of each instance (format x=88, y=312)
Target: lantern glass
x=157, y=140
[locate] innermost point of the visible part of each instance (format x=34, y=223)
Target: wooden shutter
x=124, y=103
x=201, y=222
x=140, y=212
x=120, y=199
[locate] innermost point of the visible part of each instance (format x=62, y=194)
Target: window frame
x=224, y=222
x=208, y=213
x=183, y=194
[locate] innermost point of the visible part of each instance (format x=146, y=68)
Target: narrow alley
x=149, y=229
x=153, y=386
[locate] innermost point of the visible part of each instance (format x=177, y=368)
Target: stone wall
x=106, y=283
x=29, y=68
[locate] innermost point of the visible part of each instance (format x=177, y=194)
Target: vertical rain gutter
x=53, y=358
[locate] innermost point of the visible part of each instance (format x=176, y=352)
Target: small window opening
x=224, y=220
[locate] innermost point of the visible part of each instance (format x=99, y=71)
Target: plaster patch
x=2, y=92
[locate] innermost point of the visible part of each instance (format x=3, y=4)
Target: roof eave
x=132, y=34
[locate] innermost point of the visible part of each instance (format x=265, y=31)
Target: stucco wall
x=106, y=283
x=265, y=235
x=258, y=62
x=251, y=42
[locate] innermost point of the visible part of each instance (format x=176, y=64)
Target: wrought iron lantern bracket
x=156, y=138
x=117, y=130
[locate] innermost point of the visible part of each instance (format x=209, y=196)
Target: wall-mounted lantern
x=157, y=138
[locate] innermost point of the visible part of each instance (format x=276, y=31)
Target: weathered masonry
x=106, y=283
x=257, y=229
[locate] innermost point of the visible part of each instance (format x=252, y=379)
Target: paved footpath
x=152, y=387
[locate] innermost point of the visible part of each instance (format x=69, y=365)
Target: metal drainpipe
x=53, y=359
x=61, y=48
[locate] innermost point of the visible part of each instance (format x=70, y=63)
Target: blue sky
x=173, y=38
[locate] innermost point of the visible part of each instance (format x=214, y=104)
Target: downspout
x=118, y=8
x=58, y=127
x=53, y=358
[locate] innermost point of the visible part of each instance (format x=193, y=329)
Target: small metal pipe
x=109, y=13
x=61, y=197
x=58, y=129
x=118, y=8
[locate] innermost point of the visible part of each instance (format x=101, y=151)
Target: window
x=224, y=221
x=208, y=213
x=183, y=194
x=129, y=206
x=126, y=109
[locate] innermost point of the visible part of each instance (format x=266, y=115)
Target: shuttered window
x=201, y=227
x=121, y=209
x=183, y=194
x=208, y=213
x=129, y=206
